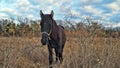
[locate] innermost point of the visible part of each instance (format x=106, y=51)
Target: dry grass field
x=80, y=52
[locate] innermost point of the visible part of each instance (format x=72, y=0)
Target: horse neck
x=54, y=29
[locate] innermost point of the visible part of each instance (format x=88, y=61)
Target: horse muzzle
x=43, y=41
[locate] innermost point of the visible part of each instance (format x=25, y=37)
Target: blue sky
x=106, y=10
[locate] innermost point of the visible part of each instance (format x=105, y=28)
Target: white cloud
x=47, y=10
x=86, y=2
x=60, y=7
x=76, y=13
x=116, y=25
x=112, y=24
x=3, y=15
x=24, y=7
x=22, y=3
x=92, y=10
x=114, y=6
x=30, y=16
x=10, y=10
x=92, y=1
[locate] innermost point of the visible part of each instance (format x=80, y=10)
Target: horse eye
x=40, y=22
x=44, y=23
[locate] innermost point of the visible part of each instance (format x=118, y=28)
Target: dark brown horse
x=53, y=35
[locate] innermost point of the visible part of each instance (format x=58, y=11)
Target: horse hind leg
x=58, y=52
x=60, y=56
x=57, y=55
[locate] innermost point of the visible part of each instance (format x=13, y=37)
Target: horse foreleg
x=50, y=57
x=60, y=50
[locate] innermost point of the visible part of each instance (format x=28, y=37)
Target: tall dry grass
x=79, y=52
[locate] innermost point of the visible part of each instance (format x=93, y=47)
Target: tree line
x=25, y=27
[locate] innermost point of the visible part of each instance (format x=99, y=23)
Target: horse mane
x=55, y=28
x=61, y=26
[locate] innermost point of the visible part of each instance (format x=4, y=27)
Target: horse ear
x=52, y=13
x=41, y=13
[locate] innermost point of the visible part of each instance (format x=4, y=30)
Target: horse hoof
x=50, y=66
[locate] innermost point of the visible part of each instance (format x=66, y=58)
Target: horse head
x=46, y=26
